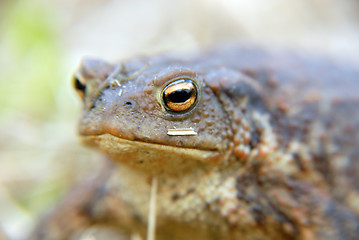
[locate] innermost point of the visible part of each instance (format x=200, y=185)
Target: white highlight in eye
x=181, y=132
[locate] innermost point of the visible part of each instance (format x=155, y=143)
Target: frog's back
x=311, y=99
x=314, y=108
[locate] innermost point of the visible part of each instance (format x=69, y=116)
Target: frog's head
x=156, y=118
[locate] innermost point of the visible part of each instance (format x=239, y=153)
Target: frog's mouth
x=153, y=157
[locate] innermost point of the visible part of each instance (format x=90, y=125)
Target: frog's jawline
x=136, y=149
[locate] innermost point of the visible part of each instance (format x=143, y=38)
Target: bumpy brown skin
x=276, y=155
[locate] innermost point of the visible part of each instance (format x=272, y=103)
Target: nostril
x=128, y=103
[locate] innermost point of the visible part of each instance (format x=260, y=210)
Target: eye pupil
x=179, y=96
x=79, y=85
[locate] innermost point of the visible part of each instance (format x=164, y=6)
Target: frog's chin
x=153, y=158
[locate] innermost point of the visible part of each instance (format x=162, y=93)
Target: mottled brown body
x=275, y=155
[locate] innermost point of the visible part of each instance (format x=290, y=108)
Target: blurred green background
x=42, y=42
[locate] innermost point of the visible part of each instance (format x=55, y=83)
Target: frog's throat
x=155, y=158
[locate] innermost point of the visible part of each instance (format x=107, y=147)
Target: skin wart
x=274, y=154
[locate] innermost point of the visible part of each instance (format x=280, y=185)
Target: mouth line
x=137, y=142
x=122, y=149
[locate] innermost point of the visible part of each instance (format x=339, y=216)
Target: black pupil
x=180, y=96
x=79, y=85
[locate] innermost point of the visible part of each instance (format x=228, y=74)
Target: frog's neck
x=175, y=196
x=181, y=203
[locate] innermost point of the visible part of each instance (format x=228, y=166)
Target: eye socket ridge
x=180, y=95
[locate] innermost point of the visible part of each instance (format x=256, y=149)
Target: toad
x=234, y=143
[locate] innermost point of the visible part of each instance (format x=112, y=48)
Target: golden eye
x=180, y=95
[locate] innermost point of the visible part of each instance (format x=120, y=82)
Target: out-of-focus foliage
x=37, y=114
x=30, y=58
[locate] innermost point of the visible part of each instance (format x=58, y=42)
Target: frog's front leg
x=87, y=212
